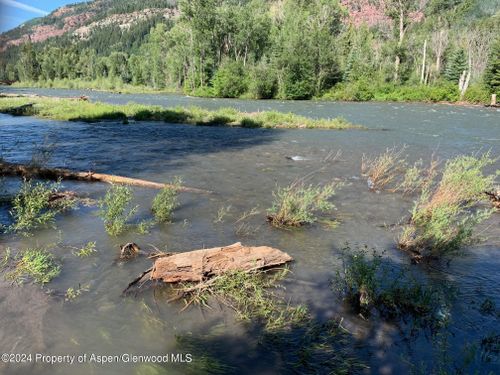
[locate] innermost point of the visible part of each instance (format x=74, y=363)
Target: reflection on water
x=242, y=167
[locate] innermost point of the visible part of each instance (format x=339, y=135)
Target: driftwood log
x=12, y=169
x=201, y=265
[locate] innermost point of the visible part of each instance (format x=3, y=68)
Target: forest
x=416, y=50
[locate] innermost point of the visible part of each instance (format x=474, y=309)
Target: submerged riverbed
x=242, y=167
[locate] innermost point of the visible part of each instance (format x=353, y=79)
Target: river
x=243, y=167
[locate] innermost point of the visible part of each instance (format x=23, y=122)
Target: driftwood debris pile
x=202, y=265
x=28, y=171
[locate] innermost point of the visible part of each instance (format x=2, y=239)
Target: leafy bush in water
x=36, y=264
x=114, y=211
x=31, y=208
x=443, y=218
x=165, y=203
x=230, y=80
x=297, y=204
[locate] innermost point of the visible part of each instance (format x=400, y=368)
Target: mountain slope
x=81, y=19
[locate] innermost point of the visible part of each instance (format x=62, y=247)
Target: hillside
x=82, y=19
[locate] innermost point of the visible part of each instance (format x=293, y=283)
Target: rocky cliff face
x=81, y=19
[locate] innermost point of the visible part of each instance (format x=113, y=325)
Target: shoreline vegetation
x=71, y=109
x=357, y=92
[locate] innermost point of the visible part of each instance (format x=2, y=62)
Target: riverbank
x=443, y=93
x=75, y=109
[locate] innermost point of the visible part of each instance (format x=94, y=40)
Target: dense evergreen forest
x=289, y=49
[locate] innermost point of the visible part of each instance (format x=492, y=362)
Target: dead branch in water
x=12, y=169
x=207, y=264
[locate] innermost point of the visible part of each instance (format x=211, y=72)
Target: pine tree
x=492, y=75
x=456, y=65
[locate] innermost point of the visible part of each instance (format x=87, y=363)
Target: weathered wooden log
x=201, y=265
x=12, y=169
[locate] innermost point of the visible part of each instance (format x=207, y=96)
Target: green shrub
x=114, y=211
x=264, y=83
x=443, y=218
x=297, y=204
x=230, y=80
x=31, y=208
x=478, y=94
x=36, y=264
x=165, y=203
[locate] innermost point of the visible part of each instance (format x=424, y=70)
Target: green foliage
x=368, y=281
x=456, y=65
x=31, y=207
x=298, y=204
x=87, y=250
x=35, y=264
x=230, y=80
x=72, y=110
x=263, y=82
x=444, y=217
x=166, y=202
x=73, y=293
x=492, y=75
x=114, y=209
x=251, y=296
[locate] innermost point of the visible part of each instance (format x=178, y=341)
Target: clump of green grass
x=383, y=169
x=78, y=110
x=31, y=207
x=114, y=209
x=73, y=293
x=444, y=217
x=35, y=264
x=251, y=296
x=87, y=250
x=166, y=202
x=298, y=204
x=367, y=281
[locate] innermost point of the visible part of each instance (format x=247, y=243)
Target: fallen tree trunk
x=12, y=169
x=201, y=265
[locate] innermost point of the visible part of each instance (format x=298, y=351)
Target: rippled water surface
x=242, y=167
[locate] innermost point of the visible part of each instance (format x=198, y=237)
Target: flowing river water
x=243, y=167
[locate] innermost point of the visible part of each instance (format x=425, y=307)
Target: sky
x=15, y=12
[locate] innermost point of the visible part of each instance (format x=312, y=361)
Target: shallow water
x=242, y=167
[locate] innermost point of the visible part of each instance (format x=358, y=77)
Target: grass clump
x=114, y=209
x=251, y=296
x=383, y=169
x=32, y=209
x=444, y=216
x=368, y=282
x=297, y=204
x=166, y=202
x=35, y=264
x=78, y=110
x=87, y=250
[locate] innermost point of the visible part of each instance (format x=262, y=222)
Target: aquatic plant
x=444, y=216
x=384, y=168
x=86, y=250
x=297, y=204
x=35, y=264
x=73, y=293
x=165, y=202
x=221, y=214
x=32, y=209
x=144, y=226
x=114, y=209
x=367, y=281
x=250, y=295
x=417, y=177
